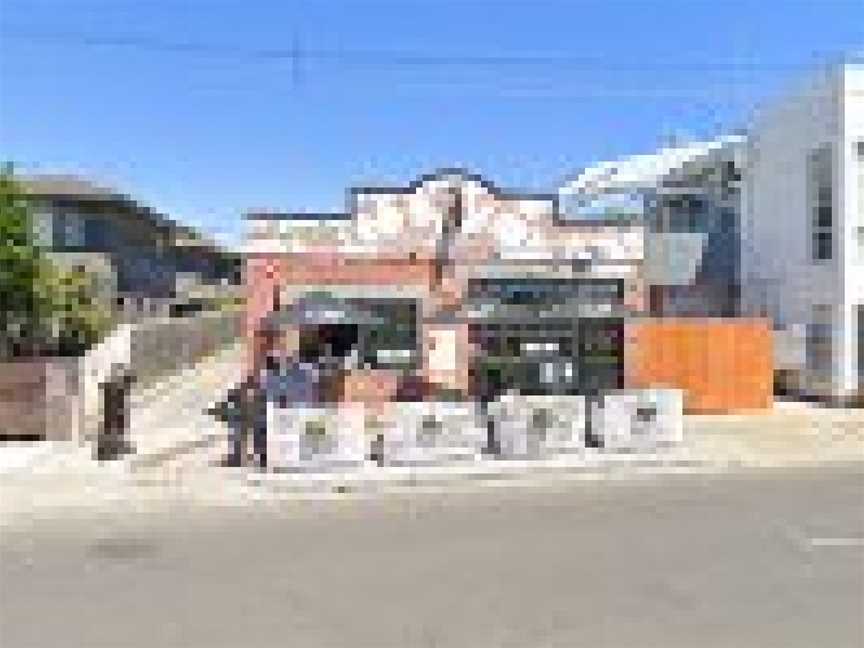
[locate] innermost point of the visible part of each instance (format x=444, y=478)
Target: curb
x=369, y=480
x=372, y=478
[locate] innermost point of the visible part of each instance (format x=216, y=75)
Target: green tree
x=21, y=308
x=44, y=309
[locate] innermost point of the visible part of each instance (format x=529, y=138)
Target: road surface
x=762, y=561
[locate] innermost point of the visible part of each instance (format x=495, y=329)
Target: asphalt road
x=774, y=560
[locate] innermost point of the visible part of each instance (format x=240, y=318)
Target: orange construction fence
x=723, y=365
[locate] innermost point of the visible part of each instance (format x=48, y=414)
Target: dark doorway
x=583, y=356
x=327, y=341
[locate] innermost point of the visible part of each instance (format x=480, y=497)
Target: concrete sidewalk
x=177, y=464
x=786, y=436
x=712, y=445
x=704, y=452
x=173, y=433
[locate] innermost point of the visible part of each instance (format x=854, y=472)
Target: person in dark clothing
x=247, y=403
x=247, y=416
x=244, y=409
x=113, y=440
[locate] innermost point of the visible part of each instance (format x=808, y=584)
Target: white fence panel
x=315, y=438
x=639, y=419
x=431, y=432
x=531, y=426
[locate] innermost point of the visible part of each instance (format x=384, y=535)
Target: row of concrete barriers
x=423, y=433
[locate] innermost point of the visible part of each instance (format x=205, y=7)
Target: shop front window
x=393, y=344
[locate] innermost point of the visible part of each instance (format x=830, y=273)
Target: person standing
x=246, y=417
x=246, y=407
x=113, y=439
x=279, y=376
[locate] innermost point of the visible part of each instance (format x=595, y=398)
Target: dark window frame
x=821, y=203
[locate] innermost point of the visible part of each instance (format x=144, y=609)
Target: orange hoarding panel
x=723, y=365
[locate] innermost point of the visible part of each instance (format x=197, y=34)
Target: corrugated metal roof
x=645, y=170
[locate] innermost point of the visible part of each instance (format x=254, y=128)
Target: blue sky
x=197, y=108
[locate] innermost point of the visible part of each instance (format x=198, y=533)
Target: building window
x=859, y=223
x=819, y=342
x=601, y=355
x=821, y=201
x=860, y=312
x=612, y=207
x=546, y=292
x=823, y=243
x=43, y=229
x=392, y=344
x=687, y=215
x=731, y=173
x=96, y=234
x=68, y=231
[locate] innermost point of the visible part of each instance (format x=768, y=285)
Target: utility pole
x=449, y=228
x=296, y=56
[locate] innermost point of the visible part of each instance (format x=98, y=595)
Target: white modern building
x=802, y=230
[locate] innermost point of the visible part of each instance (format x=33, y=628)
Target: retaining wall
x=59, y=398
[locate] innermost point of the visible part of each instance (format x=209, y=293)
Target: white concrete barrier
x=419, y=433
x=533, y=426
x=641, y=419
x=315, y=438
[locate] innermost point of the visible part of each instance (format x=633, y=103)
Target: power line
x=395, y=58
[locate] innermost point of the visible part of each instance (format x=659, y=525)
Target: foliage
x=76, y=319
x=228, y=302
x=44, y=309
x=19, y=260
